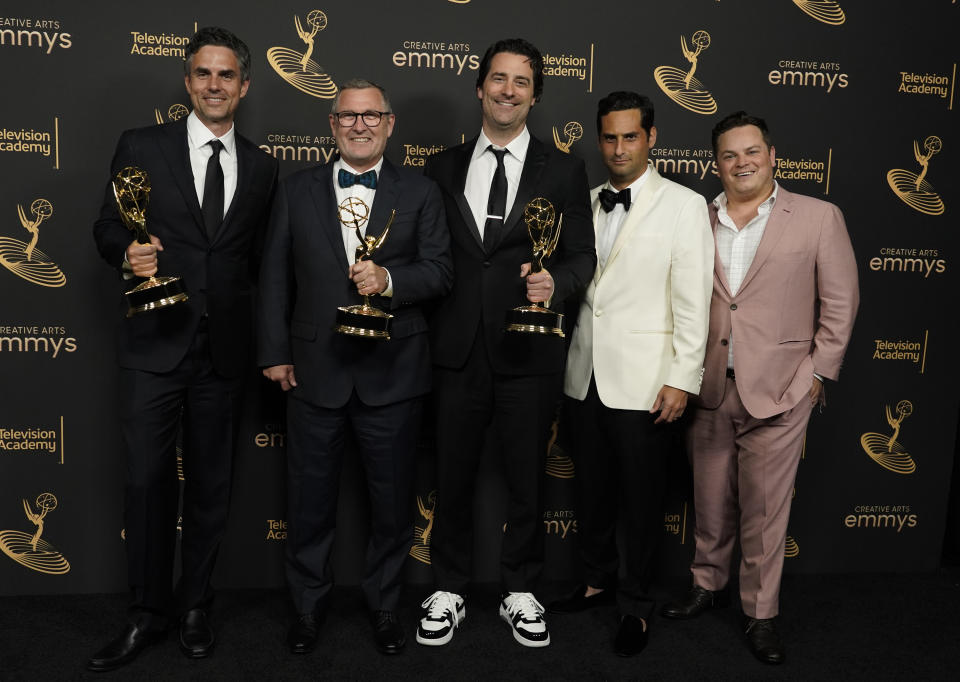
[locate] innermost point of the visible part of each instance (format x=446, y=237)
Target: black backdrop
x=860, y=98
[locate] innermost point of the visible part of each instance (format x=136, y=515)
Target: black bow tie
x=347, y=179
x=609, y=199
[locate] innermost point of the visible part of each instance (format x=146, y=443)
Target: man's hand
x=369, y=277
x=143, y=257
x=539, y=284
x=282, y=374
x=816, y=391
x=671, y=402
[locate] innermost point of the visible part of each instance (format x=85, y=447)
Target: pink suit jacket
x=793, y=314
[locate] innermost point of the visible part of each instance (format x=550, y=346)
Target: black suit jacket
x=218, y=274
x=488, y=284
x=304, y=279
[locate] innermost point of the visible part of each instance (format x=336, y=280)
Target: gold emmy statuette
x=363, y=320
x=544, y=230
x=131, y=188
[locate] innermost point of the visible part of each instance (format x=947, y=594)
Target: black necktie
x=347, y=179
x=497, y=203
x=212, y=208
x=609, y=199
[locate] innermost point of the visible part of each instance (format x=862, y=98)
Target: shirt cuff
x=389, y=290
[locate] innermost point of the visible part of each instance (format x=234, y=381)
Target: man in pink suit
x=784, y=300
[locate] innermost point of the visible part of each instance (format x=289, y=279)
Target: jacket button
x=733, y=306
x=723, y=342
x=486, y=264
x=597, y=312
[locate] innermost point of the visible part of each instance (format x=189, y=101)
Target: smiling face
x=215, y=87
x=506, y=96
x=360, y=145
x=625, y=146
x=745, y=164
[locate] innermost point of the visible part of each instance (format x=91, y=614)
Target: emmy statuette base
x=533, y=319
x=363, y=321
x=155, y=293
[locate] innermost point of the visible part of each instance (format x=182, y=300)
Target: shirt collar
x=517, y=146
x=340, y=163
x=198, y=135
x=634, y=186
x=720, y=202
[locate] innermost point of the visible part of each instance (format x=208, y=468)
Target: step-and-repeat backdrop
x=861, y=99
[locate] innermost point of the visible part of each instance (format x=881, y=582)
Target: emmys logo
x=791, y=548
x=913, y=188
x=808, y=74
x=302, y=148
x=24, y=259
x=31, y=550
x=42, y=33
x=885, y=450
x=421, y=534
x=430, y=54
x=826, y=11
x=559, y=522
x=174, y=113
x=681, y=86
x=923, y=261
x=297, y=68
x=896, y=517
x=573, y=131
x=673, y=161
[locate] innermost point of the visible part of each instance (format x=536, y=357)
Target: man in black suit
x=334, y=380
x=482, y=374
x=209, y=203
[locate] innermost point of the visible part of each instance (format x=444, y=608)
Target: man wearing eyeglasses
x=335, y=381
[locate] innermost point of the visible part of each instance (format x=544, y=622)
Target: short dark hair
x=360, y=84
x=622, y=100
x=221, y=37
x=514, y=46
x=736, y=120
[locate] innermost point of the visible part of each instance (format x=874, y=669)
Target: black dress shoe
x=764, y=640
x=578, y=601
x=387, y=632
x=631, y=636
x=304, y=633
x=123, y=649
x=196, y=636
x=695, y=602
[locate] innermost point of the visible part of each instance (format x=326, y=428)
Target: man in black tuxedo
x=374, y=386
x=183, y=366
x=482, y=374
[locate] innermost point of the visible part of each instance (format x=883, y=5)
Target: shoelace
x=438, y=603
x=525, y=603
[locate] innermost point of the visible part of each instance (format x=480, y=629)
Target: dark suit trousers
x=153, y=406
x=620, y=458
x=386, y=438
x=522, y=409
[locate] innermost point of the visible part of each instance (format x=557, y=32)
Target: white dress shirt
x=198, y=137
x=366, y=195
x=483, y=164
x=609, y=224
x=738, y=246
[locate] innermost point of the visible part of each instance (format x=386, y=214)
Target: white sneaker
x=444, y=611
x=524, y=614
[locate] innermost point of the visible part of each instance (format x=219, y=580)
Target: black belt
x=730, y=373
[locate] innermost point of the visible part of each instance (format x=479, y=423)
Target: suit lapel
x=638, y=209
x=774, y=230
x=718, y=272
x=533, y=165
x=459, y=183
x=177, y=154
x=325, y=203
x=385, y=200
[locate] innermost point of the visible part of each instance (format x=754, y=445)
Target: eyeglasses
x=370, y=118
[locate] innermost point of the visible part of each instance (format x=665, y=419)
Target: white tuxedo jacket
x=643, y=322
